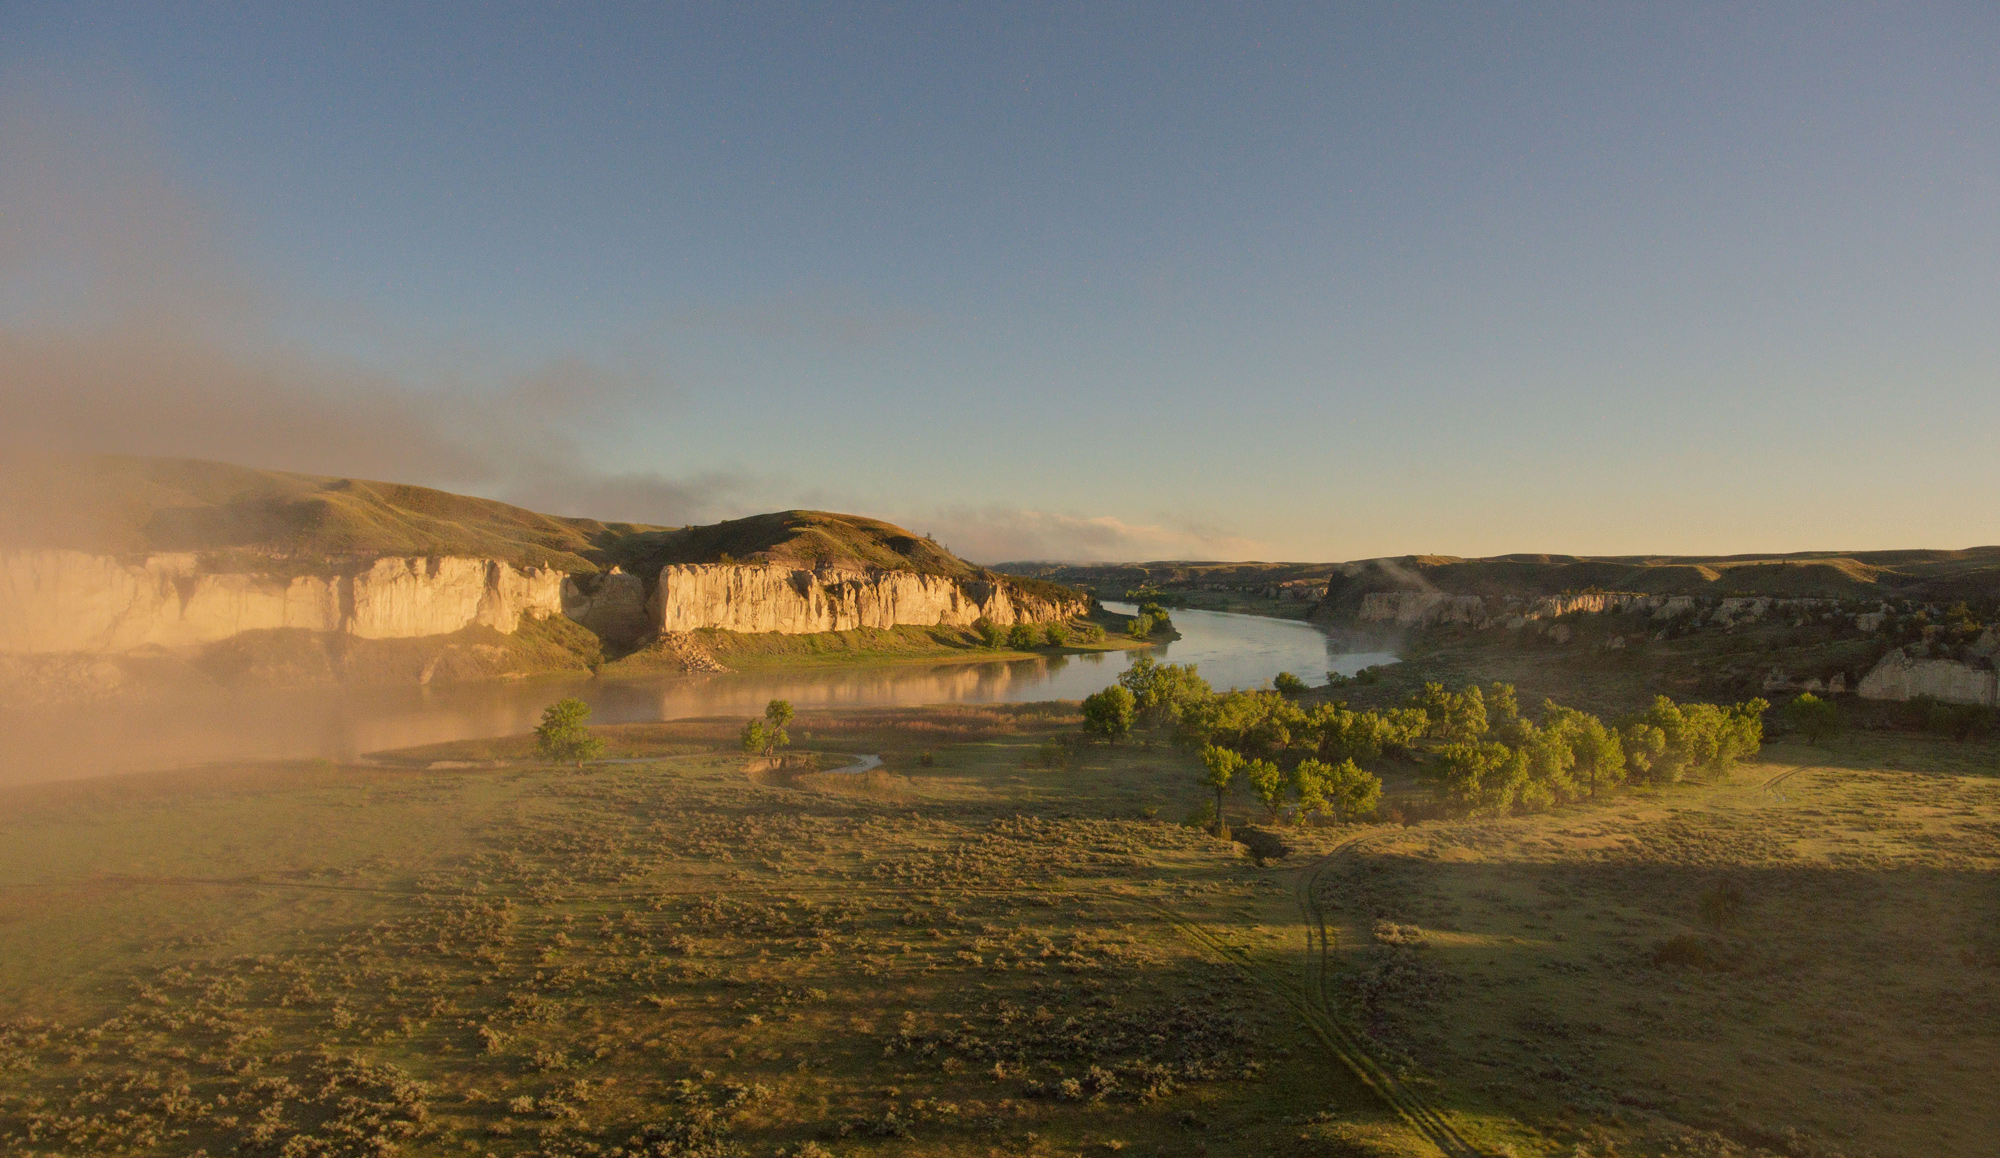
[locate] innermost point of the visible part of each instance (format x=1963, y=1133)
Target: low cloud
x=125, y=329
x=999, y=534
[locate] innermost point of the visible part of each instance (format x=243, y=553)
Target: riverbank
x=202, y=723
x=719, y=651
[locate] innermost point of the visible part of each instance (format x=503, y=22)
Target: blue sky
x=1139, y=281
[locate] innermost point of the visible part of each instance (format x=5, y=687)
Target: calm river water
x=1230, y=650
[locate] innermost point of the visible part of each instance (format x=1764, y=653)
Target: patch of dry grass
x=970, y=955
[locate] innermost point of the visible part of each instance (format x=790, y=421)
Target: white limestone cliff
x=58, y=601
x=61, y=602
x=1422, y=608
x=1902, y=676
x=761, y=598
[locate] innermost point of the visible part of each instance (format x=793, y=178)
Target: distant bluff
x=115, y=555
x=1342, y=590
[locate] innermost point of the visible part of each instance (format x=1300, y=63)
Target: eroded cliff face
x=1902, y=676
x=1423, y=608
x=57, y=601
x=611, y=603
x=60, y=602
x=754, y=598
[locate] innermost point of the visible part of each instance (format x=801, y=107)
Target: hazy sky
x=1241, y=281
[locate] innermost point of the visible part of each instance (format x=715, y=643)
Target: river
x=340, y=723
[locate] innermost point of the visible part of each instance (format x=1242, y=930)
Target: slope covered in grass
x=134, y=505
x=1972, y=573
x=243, y=516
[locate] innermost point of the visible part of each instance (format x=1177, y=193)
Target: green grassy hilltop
x=127, y=504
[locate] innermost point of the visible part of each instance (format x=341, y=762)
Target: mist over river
x=341, y=723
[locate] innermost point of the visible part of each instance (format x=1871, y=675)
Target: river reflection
x=1230, y=650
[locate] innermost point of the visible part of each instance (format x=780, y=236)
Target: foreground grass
x=974, y=956
x=1578, y=970
x=962, y=959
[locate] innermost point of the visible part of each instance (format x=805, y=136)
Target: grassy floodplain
x=462, y=952
x=868, y=646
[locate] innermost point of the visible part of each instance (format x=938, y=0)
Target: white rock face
x=56, y=601
x=1901, y=676
x=1421, y=608
x=757, y=598
x=1418, y=608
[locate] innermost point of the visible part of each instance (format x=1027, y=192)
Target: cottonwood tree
x=1163, y=692
x=1268, y=784
x=1345, y=789
x=1671, y=741
x=767, y=735
x=1108, y=713
x=562, y=737
x=1219, y=768
x=1816, y=719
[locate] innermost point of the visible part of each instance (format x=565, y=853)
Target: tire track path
x=1311, y=997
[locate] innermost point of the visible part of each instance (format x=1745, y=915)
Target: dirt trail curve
x=1311, y=998
x=1772, y=784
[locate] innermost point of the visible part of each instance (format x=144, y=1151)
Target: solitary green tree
x=1108, y=713
x=767, y=735
x=1288, y=684
x=1815, y=718
x=1023, y=637
x=778, y=713
x=562, y=736
x=1056, y=633
x=1219, y=768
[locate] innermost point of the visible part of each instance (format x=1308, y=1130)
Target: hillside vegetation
x=1972, y=573
x=130, y=505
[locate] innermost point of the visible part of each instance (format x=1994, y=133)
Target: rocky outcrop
x=1901, y=676
x=761, y=598
x=611, y=603
x=1421, y=608
x=59, y=601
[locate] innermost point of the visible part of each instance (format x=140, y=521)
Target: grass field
x=962, y=954
x=909, y=643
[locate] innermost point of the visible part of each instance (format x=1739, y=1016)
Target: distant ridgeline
x=297, y=578
x=1922, y=622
